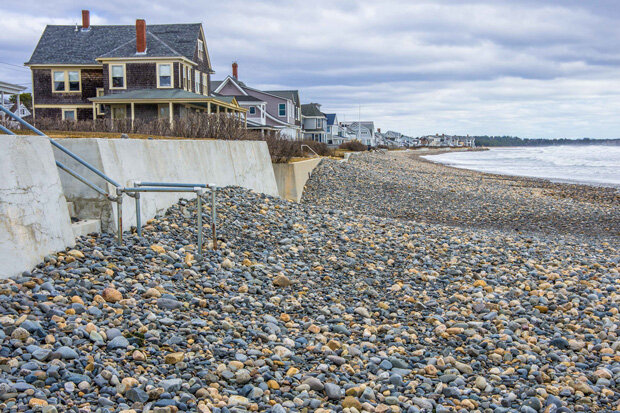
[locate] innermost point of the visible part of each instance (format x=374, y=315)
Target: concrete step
x=71, y=208
x=85, y=227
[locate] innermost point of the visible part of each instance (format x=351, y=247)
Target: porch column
x=245, y=115
x=132, y=115
x=2, y=103
x=170, y=109
x=94, y=111
x=18, y=106
x=209, y=108
x=217, y=109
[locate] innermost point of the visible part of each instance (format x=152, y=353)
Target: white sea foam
x=592, y=164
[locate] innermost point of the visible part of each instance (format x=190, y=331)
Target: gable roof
x=287, y=94
x=331, y=118
x=311, y=110
x=65, y=45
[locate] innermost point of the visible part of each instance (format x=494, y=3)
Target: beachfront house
x=160, y=71
x=314, y=122
x=362, y=131
x=334, y=133
x=268, y=111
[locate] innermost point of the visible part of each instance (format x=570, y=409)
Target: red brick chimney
x=140, y=36
x=235, y=72
x=85, y=20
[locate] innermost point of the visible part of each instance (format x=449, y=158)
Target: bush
x=319, y=147
x=194, y=126
x=354, y=145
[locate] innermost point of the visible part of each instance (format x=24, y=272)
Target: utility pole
x=359, y=122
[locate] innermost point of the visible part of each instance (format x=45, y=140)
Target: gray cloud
x=527, y=68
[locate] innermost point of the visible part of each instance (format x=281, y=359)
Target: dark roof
x=287, y=94
x=244, y=98
x=65, y=45
x=311, y=109
x=331, y=117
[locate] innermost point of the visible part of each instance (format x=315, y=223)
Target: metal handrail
x=132, y=192
x=59, y=146
x=312, y=150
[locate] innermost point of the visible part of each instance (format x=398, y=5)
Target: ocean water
x=591, y=164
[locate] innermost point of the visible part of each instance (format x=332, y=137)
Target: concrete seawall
x=239, y=163
x=292, y=177
x=34, y=220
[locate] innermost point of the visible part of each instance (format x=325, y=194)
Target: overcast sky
x=526, y=68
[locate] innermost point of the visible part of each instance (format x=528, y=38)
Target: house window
x=187, y=80
x=117, y=76
x=119, y=112
x=282, y=109
x=163, y=111
x=252, y=110
x=74, y=81
x=197, y=81
x=205, y=84
x=164, y=75
x=66, y=81
x=99, y=106
x=201, y=49
x=59, y=81
x=68, y=114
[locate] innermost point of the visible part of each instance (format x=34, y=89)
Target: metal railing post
x=213, y=218
x=119, y=212
x=199, y=192
x=138, y=215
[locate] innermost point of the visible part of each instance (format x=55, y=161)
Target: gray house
x=314, y=122
x=276, y=110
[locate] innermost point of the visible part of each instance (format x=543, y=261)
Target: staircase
x=82, y=226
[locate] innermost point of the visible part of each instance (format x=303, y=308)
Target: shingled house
x=124, y=72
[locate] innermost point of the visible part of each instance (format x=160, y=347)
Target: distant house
x=314, y=122
x=162, y=71
x=362, y=131
x=18, y=108
x=277, y=110
x=334, y=133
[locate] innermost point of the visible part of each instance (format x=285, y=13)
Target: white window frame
x=280, y=110
x=66, y=82
x=205, y=84
x=197, y=77
x=187, y=78
x=111, y=83
x=159, y=65
x=70, y=109
x=201, y=49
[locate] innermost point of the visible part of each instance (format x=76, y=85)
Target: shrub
x=354, y=145
x=319, y=147
x=194, y=126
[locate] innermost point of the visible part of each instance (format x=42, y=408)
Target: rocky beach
x=397, y=285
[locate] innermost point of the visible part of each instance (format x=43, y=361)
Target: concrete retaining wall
x=292, y=177
x=239, y=163
x=34, y=220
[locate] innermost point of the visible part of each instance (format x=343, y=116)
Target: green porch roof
x=179, y=95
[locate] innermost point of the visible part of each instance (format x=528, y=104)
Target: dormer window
x=201, y=49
